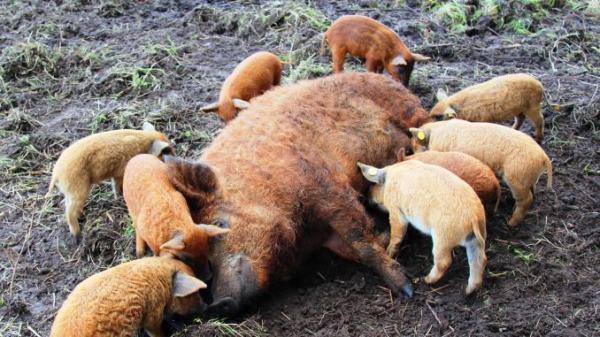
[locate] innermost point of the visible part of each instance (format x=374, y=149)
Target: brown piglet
x=366, y=38
x=475, y=173
x=121, y=299
x=160, y=214
x=510, y=96
x=252, y=77
x=511, y=154
x=437, y=203
x=98, y=157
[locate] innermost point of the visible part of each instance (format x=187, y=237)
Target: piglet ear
x=449, y=113
x=148, y=127
x=158, y=147
x=420, y=57
x=193, y=179
x=175, y=244
x=372, y=174
x=240, y=103
x=399, y=61
x=185, y=285
x=401, y=154
x=212, y=230
x=441, y=94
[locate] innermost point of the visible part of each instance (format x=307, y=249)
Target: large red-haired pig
x=283, y=177
x=256, y=74
x=161, y=216
x=122, y=299
x=366, y=38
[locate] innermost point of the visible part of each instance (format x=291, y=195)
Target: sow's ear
x=372, y=174
x=185, y=285
x=192, y=179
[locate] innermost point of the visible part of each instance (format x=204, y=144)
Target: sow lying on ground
x=98, y=157
x=283, y=176
x=120, y=300
x=437, y=203
x=511, y=154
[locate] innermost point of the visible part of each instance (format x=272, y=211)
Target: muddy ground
x=70, y=68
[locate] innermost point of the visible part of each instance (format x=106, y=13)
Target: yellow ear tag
x=372, y=171
x=421, y=135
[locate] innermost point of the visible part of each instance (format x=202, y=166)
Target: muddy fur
x=258, y=73
x=120, y=300
x=371, y=40
x=511, y=154
x=504, y=97
x=438, y=203
x=475, y=173
x=287, y=177
x=160, y=213
x=98, y=157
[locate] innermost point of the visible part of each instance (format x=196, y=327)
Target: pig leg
x=153, y=323
x=354, y=227
x=373, y=65
x=338, y=55
x=477, y=262
x=518, y=121
x=140, y=245
x=538, y=120
x=442, y=258
x=523, y=200
x=117, y=186
x=337, y=246
x=398, y=227
x=74, y=201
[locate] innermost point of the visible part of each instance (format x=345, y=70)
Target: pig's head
x=185, y=293
x=419, y=140
x=192, y=246
x=235, y=278
x=443, y=110
x=227, y=108
x=403, y=64
x=160, y=144
x=377, y=176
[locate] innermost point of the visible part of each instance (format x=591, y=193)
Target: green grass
x=524, y=256
x=28, y=58
x=307, y=68
x=314, y=17
x=145, y=78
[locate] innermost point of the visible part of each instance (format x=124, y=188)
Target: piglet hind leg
x=338, y=55
x=74, y=202
x=353, y=226
x=442, y=258
x=523, y=201
x=398, y=227
x=477, y=262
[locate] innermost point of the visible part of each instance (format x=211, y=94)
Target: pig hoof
x=226, y=306
x=407, y=289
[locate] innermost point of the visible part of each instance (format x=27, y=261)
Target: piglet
x=252, y=77
x=161, y=216
x=511, y=154
x=98, y=157
x=366, y=38
x=121, y=299
x=437, y=203
x=510, y=96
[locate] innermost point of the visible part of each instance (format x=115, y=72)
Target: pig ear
x=175, y=244
x=211, y=107
x=419, y=134
x=420, y=58
x=240, y=103
x=213, y=230
x=449, y=113
x=192, y=179
x=441, y=94
x=185, y=285
x=399, y=61
x=148, y=127
x=372, y=174
x=401, y=154
x=158, y=147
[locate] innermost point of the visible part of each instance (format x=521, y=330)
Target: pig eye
x=221, y=223
x=438, y=118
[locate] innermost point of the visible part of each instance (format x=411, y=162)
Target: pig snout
x=234, y=283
